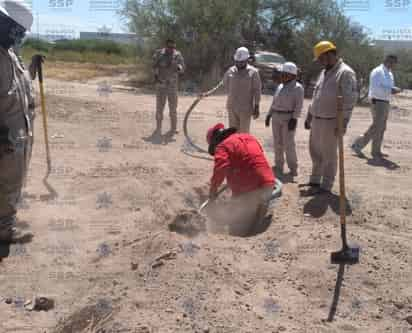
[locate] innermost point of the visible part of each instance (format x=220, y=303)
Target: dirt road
x=104, y=252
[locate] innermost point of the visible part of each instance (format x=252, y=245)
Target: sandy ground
x=104, y=250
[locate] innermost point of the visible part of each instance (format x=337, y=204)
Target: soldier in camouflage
x=16, y=115
x=168, y=64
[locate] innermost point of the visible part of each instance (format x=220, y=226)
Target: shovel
x=36, y=68
x=208, y=201
x=347, y=255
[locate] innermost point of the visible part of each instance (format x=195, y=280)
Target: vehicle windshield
x=270, y=58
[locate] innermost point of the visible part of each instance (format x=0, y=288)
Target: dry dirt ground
x=117, y=250
x=83, y=71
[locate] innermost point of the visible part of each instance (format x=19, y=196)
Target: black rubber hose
x=187, y=115
x=185, y=131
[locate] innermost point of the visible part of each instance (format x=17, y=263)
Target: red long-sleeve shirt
x=241, y=160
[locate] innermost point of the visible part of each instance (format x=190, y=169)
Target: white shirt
x=381, y=82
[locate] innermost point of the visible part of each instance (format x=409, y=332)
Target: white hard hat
x=17, y=11
x=242, y=54
x=290, y=67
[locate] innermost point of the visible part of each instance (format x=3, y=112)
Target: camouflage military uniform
x=167, y=68
x=16, y=114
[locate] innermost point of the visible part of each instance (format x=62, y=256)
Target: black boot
x=173, y=127
x=10, y=235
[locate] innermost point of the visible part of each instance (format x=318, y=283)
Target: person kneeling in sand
x=240, y=159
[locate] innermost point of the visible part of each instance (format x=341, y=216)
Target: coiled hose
x=189, y=141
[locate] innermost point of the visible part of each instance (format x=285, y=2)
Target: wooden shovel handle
x=342, y=196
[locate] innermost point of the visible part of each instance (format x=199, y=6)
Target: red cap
x=211, y=131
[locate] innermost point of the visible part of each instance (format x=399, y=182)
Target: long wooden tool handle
x=207, y=202
x=342, y=196
x=43, y=109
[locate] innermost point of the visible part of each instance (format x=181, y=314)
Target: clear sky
x=381, y=17
x=73, y=16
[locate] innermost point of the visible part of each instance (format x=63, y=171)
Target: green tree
x=208, y=32
x=403, y=71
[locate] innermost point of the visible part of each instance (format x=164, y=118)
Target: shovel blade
x=348, y=256
x=203, y=206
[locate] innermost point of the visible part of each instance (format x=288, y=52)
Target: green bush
x=93, y=51
x=82, y=45
x=403, y=70
x=37, y=44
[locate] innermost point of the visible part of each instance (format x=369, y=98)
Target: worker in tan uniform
x=15, y=116
x=336, y=78
x=285, y=110
x=168, y=64
x=244, y=87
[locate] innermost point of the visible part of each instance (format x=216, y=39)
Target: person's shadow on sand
x=157, y=138
x=378, y=162
x=383, y=162
x=318, y=205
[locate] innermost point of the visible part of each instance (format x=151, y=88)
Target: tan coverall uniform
x=323, y=135
x=287, y=104
x=16, y=114
x=244, y=90
x=167, y=68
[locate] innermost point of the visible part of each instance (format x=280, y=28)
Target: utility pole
x=38, y=29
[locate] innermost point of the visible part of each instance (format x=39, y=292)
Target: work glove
x=267, y=120
x=396, y=90
x=212, y=195
x=292, y=124
x=6, y=146
x=256, y=112
x=179, y=68
x=308, y=121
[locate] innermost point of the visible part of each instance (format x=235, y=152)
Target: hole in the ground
x=191, y=223
x=223, y=216
x=240, y=227
x=244, y=218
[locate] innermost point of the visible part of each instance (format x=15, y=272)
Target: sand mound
x=188, y=223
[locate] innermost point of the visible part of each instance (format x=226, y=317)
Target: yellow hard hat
x=323, y=47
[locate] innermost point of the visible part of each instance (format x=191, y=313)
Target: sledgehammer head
x=348, y=256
